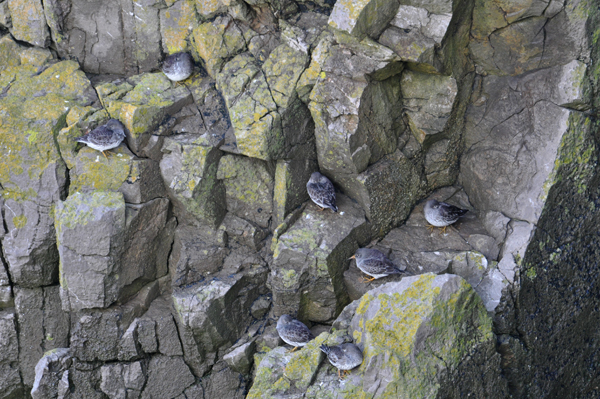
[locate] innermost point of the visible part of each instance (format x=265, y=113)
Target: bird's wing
x=299, y=332
x=377, y=266
x=449, y=212
x=100, y=135
x=335, y=354
x=327, y=192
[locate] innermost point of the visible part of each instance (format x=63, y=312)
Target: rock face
x=171, y=258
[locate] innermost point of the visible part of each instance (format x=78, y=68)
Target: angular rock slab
x=29, y=22
x=217, y=312
x=143, y=105
x=249, y=188
x=176, y=24
x=509, y=113
x=281, y=373
x=10, y=383
x=32, y=174
x=88, y=32
x=362, y=18
x=310, y=258
x=414, y=331
x=107, y=249
x=49, y=372
x=415, y=32
x=189, y=169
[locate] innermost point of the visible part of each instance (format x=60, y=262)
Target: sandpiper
x=321, y=191
x=178, y=66
x=104, y=137
x=441, y=214
x=293, y=332
x=374, y=263
x=345, y=357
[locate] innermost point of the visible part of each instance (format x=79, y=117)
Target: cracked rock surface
x=160, y=270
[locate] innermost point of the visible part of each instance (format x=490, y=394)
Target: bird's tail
x=326, y=349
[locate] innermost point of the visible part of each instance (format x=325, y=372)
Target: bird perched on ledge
x=441, y=214
x=321, y=191
x=104, y=137
x=374, y=263
x=344, y=357
x=178, y=66
x=293, y=332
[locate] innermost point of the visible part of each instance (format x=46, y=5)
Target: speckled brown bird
x=374, y=263
x=441, y=214
x=321, y=191
x=178, y=66
x=104, y=137
x=344, y=357
x=293, y=332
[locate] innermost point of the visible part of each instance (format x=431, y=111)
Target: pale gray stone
x=164, y=368
x=49, y=371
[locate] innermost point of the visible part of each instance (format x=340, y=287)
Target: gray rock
x=124, y=381
x=42, y=326
x=367, y=18
x=249, y=188
x=109, y=250
x=10, y=384
x=196, y=254
x=86, y=31
x=6, y=294
x=218, y=310
x=189, y=169
x=241, y=357
x=496, y=175
x=244, y=232
x=310, y=257
x=260, y=307
x=49, y=371
x=224, y=382
x=160, y=314
x=164, y=368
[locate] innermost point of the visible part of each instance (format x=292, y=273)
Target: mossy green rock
x=364, y=17
x=218, y=41
x=249, y=188
x=144, y=105
x=281, y=373
x=33, y=175
x=89, y=229
x=310, y=258
x=189, y=171
x=29, y=22
x=176, y=24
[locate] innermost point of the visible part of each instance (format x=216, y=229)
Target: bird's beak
x=352, y=257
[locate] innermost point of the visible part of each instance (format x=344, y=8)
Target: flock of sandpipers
x=178, y=67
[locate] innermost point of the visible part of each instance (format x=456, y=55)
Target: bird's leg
x=367, y=279
x=430, y=227
x=103, y=153
x=443, y=230
x=295, y=347
x=320, y=209
x=339, y=375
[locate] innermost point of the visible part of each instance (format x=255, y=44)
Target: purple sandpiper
x=293, y=332
x=374, y=263
x=104, y=137
x=441, y=214
x=321, y=191
x=345, y=356
x=178, y=66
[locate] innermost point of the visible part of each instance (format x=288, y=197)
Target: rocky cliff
x=160, y=271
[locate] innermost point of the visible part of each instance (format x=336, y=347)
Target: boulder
x=177, y=22
x=165, y=368
x=217, y=311
x=141, y=104
x=123, y=380
x=310, y=258
x=362, y=18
